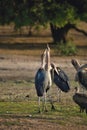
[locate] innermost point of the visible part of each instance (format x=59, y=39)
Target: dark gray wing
x=62, y=74
x=61, y=80
x=39, y=82
x=80, y=99
x=82, y=76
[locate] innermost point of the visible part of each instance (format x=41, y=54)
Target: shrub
x=67, y=49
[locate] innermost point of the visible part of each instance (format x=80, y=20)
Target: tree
x=62, y=15
x=6, y=12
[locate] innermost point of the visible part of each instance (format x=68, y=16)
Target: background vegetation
x=60, y=15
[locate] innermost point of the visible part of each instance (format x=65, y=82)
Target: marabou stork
x=81, y=100
x=43, y=80
x=81, y=75
x=60, y=78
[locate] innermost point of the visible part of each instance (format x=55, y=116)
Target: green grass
x=67, y=112
x=17, y=107
x=62, y=115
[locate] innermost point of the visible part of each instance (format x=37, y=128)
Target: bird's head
x=48, y=48
x=53, y=66
x=75, y=63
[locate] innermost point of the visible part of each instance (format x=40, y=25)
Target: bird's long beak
x=56, y=70
x=48, y=48
x=54, y=67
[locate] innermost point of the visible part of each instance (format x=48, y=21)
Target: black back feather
x=61, y=80
x=81, y=100
x=39, y=82
x=82, y=76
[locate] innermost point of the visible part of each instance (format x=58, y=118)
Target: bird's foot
x=45, y=110
x=39, y=111
x=52, y=108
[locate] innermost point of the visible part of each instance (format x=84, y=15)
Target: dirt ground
x=25, y=67
x=14, y=67
x=27, y=123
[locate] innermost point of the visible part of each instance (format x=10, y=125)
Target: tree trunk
x=60, y=34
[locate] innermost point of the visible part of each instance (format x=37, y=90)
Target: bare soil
x=19, y=67
x=27, y=123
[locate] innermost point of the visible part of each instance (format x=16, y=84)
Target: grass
x=62, y=115
x=65, y=113
x=17, y=107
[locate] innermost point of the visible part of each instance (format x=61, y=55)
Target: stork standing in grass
x=81, y=75
x=43, y=80
x=60, y=78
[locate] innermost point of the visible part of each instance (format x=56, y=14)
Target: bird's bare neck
x=48, y=61
x=43, y=58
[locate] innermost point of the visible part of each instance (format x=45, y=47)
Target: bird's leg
x=39, y=105
x=80, y=109
x=86, y=111
x=52, y=105
x=83, y=90
x=44, y=103
x=59, y=95
x=45, y=107
x=50, y=100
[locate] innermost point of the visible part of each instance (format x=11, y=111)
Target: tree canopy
x=58, y=13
